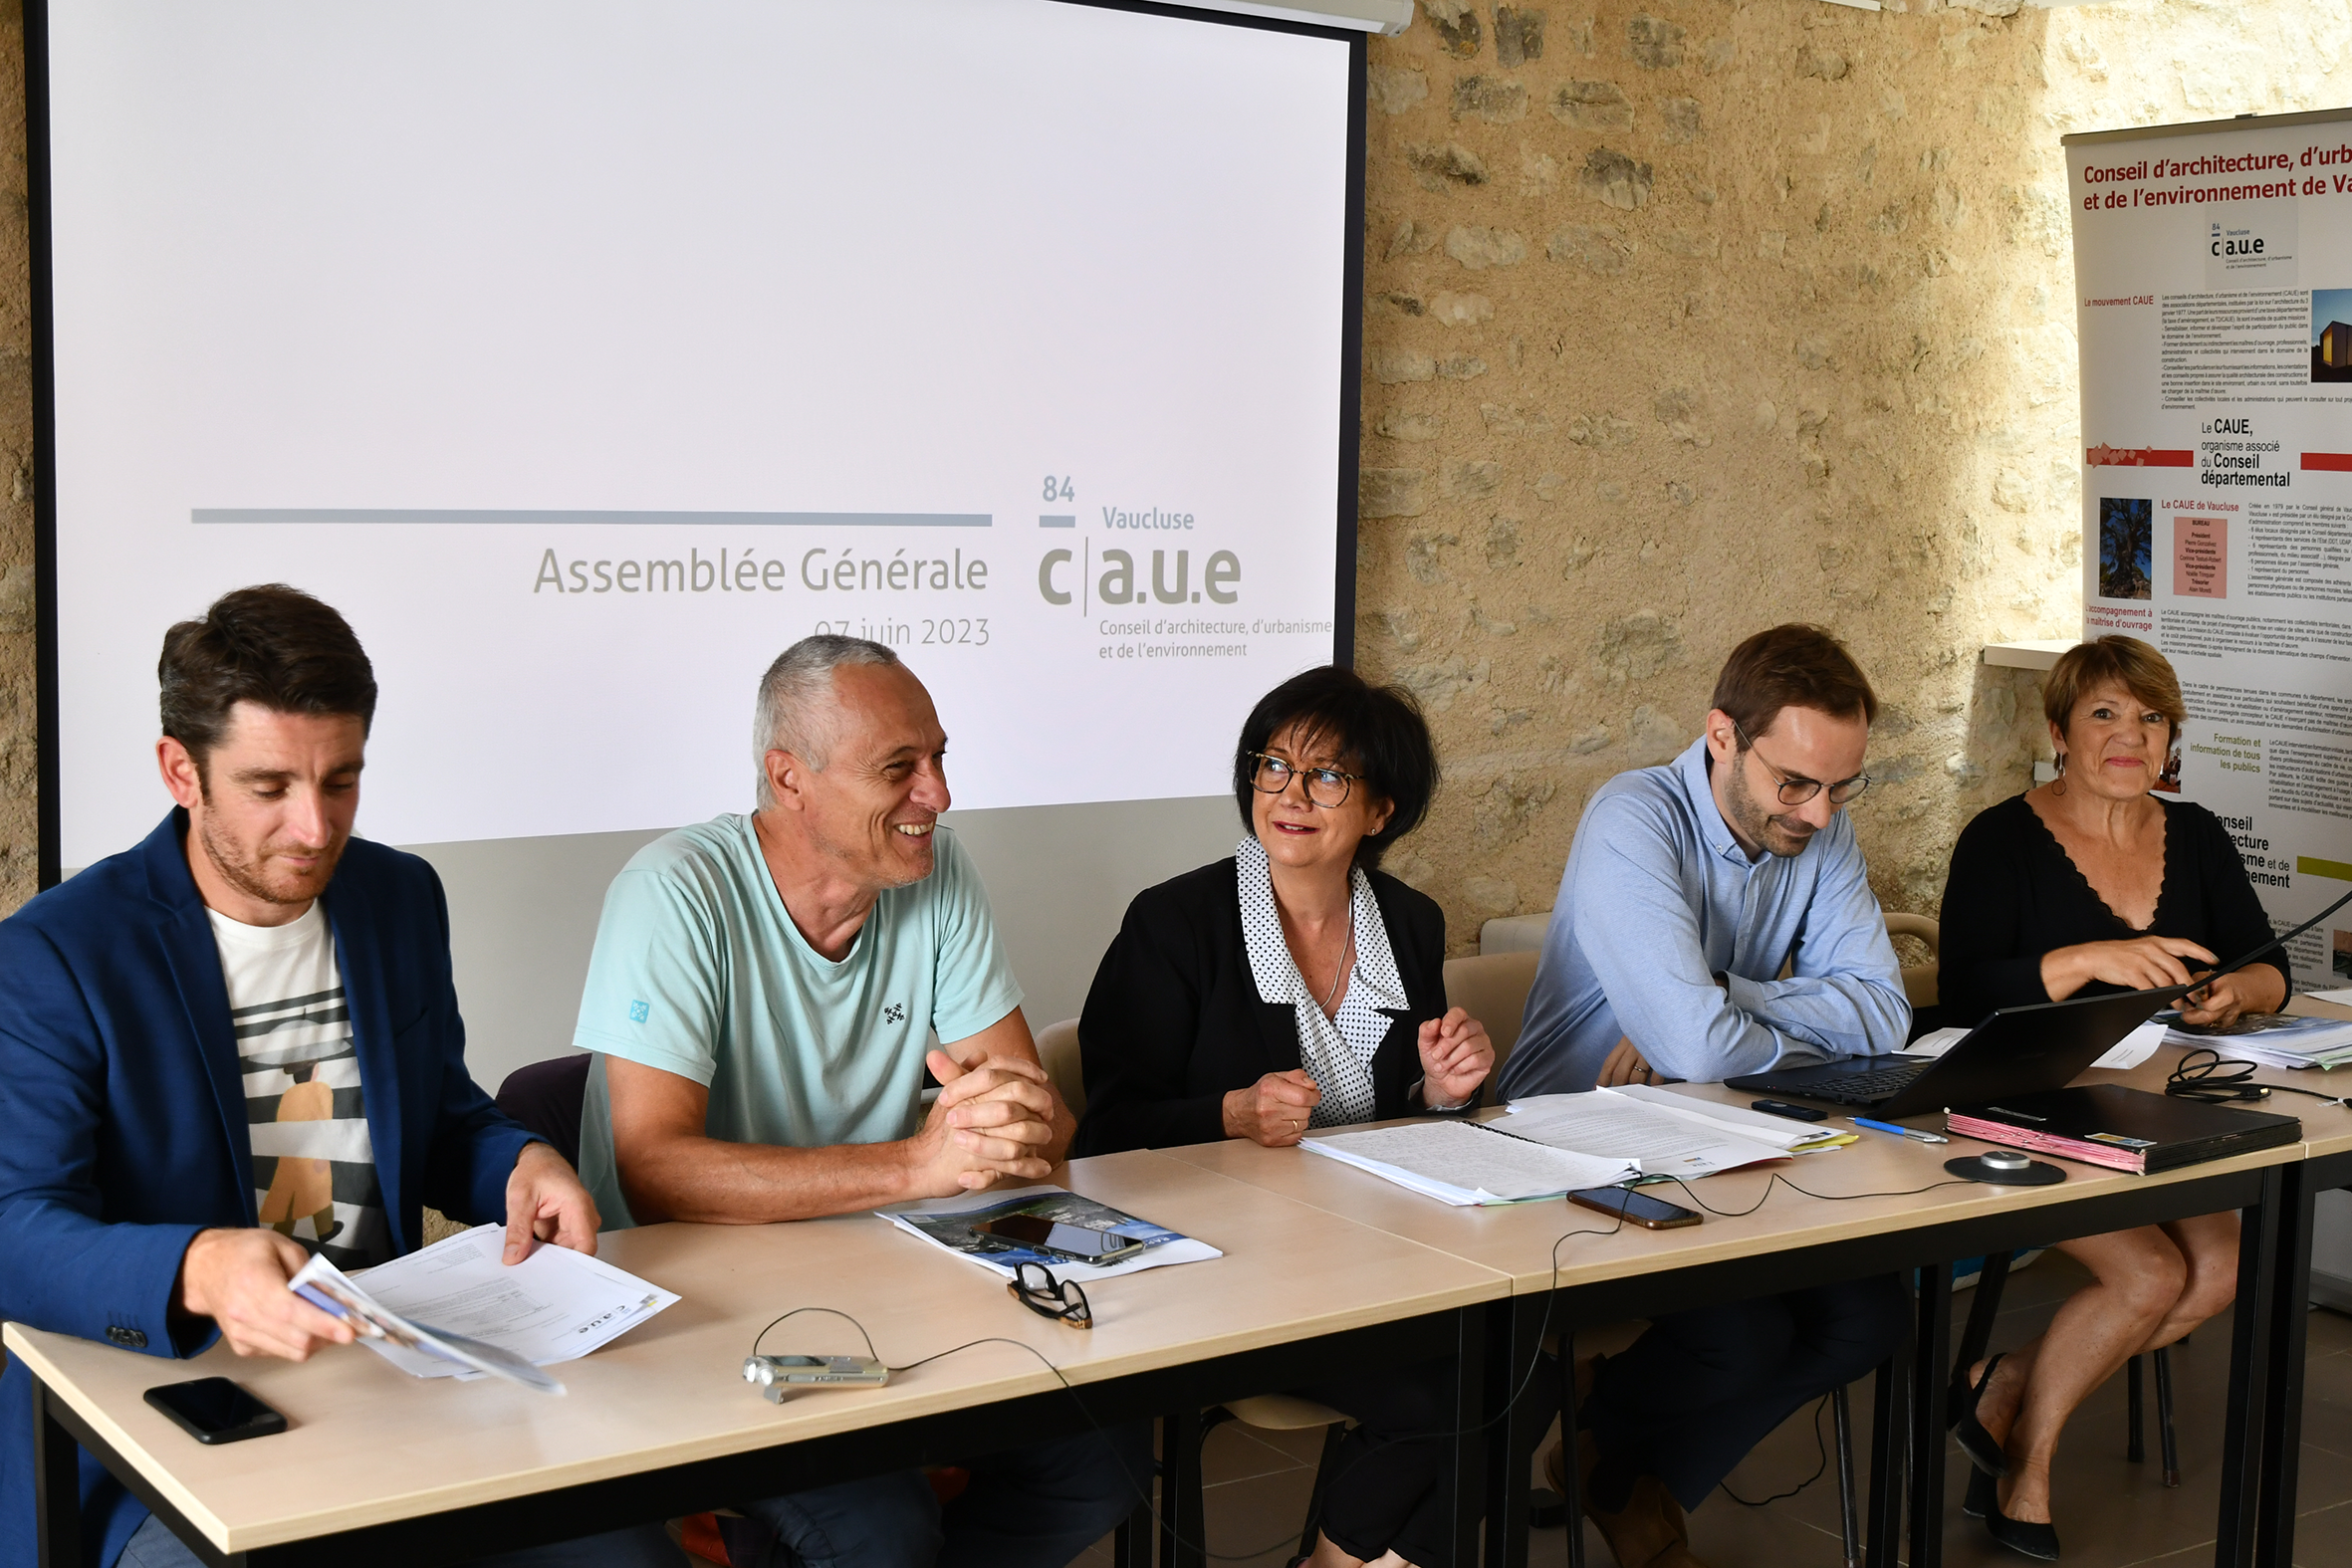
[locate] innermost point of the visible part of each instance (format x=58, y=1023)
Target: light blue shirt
x=1658, y=899
x=698, y=970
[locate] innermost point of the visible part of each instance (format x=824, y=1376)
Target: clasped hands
x=1456, y=1057
x=238, y=1276
x=993, y=1119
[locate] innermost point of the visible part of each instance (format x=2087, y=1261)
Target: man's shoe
x=1649, y=1533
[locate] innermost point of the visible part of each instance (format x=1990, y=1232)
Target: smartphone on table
x=1651, y=1213
x=1075, y=1242
x=214, y=1410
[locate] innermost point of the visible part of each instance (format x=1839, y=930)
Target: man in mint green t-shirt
x=758, y=1003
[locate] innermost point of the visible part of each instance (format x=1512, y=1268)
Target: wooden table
x=1559, y=1278
x=380, y=1467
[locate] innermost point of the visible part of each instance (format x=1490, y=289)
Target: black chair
x=546, y=1097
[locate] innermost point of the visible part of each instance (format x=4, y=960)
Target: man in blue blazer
x=235, y=1045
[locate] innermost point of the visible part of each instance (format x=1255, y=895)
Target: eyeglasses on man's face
x=1325, y=787
x=1796, y=791
x=1034, y=1287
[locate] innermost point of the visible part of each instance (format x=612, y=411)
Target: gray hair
x=795, y=697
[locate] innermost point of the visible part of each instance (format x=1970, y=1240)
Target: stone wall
x=1681, y=317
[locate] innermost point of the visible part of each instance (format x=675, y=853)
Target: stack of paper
x=2277, y=1040
x=1466, y=1163
x=1664, y=1133
x=948, y=1224
x=456, y=1309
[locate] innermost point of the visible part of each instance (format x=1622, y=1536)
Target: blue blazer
x=123, y=1126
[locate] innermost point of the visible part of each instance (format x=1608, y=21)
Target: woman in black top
x=2086, y=885
x=1294, y=986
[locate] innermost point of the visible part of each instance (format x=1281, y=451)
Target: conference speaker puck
x=2004, y=1168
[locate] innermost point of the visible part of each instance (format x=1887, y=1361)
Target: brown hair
x=2125, y=661
x=272, y=645
x=1793, y=666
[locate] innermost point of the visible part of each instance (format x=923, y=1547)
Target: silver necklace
x=1347, y=957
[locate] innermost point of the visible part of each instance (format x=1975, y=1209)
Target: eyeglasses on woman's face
x=1325, y=787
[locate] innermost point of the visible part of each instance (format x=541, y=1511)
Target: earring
x=2059, y=785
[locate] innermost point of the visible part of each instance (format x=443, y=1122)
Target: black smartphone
x=1796, y=1113
x=214, y=1410
x=1071, y=1241
x=1651, y=1213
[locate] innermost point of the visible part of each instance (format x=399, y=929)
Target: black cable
x=1820, y=1467
x=870, y=1353
x=2219, y=1080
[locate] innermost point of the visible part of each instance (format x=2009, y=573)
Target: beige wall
x=1680, y=319
x=1709, y=315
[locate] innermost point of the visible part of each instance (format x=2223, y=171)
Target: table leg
x=57, y=1487
x=2249, y=1344
x=1183, y=1516
x=1470, y=1415
x=1572, y=1492
x=2282, y=1426
x=1890, y=1428
x=1515, y=1356
x=1931, y=1359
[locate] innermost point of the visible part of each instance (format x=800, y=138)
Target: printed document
x=1659, y=1138
x=950, y=1225
x=455, y=1309
x=1465, y=1162
x=2128, y=1052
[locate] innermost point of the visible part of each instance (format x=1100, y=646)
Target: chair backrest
x=1493, y=989
x=1057, y=1050
x=1919, y=980
x=547, y=1097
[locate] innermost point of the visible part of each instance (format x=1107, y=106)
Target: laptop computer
x=2017, y=1050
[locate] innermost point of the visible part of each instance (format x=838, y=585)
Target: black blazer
x=1173, y=1021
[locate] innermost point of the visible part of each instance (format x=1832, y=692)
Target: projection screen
x=588, y=352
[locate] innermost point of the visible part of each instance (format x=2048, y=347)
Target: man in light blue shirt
x=1689, y=888
x=758, y=1003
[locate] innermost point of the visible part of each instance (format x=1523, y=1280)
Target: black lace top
x=2014, y=894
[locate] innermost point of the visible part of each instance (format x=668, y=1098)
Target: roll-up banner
x=2213, y=272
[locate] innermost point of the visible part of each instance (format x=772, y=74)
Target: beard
x=247, y=870
x=1756, y=824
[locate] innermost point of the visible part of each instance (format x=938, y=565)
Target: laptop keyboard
x=1864, y=1088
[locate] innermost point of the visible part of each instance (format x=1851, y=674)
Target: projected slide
x=585, y=354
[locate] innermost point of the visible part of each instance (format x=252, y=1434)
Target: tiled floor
x=2110, y=1513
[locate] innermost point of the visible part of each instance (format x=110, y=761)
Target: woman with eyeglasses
x=2088, y=885
x=1293, y=986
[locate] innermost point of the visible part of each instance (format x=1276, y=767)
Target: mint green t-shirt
x=699, y=971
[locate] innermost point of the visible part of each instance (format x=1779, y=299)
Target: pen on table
x=1900, y=1132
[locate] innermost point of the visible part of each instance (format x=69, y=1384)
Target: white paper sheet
x=1604, y=1122
x=1462, y=1164
x=553, y=1306
x=1737, y=1120
x=2133, y=1049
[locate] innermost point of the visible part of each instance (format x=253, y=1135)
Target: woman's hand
x=1456, y=1057
x=1625, y=1066
x=2255, y=989
x=1274, y=1110
x=2140, y=963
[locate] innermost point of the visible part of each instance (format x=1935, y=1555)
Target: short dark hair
x=1378, y=728
x=1793, y=666
x=272, y=645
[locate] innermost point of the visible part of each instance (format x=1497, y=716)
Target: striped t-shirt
x=314, y=1165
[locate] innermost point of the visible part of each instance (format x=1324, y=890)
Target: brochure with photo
x=954, y=1225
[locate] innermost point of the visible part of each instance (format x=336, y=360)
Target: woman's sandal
x=1974, y=1439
